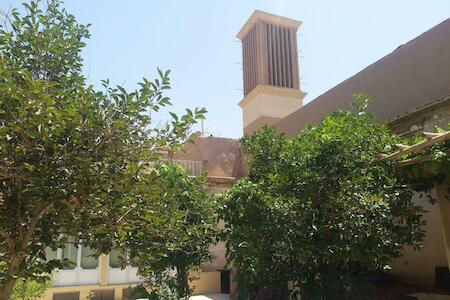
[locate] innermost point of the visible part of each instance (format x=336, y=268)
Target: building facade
x=411, y=87
x=411, y=91
x=104, y=279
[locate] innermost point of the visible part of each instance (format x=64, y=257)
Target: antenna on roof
x=203, y=128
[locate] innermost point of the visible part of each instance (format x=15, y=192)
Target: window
x=70, y=252
x=131, y=293
x=88, y=258
x=50, y=254
x=102, y=295
x=127, y=293
x=67, y=296
x=115, y=258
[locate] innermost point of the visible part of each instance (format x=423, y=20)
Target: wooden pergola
x=417, y=154
x=418, y=148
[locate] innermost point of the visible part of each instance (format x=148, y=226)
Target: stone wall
x=426, y=119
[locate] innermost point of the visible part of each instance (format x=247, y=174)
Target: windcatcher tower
x=271, y=74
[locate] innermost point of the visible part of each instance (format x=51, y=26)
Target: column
x=103, y=269
x=443, y=197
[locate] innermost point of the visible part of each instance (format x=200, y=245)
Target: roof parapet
x=261, y=16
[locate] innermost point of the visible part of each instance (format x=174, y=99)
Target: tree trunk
x=6, y=289
x=18, y=250
x=11, y=271
x=182, y=281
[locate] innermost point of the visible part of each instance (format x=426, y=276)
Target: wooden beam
x=381, y=155
x=401, y=146
x=430, y=135
x=441, y=137
x=415, y=160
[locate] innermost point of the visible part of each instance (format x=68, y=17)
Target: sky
x=197, y=41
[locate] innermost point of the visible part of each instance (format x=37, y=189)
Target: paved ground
x=426, y=296
x=211, y=297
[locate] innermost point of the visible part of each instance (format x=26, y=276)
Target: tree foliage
x=190, y=221
x=436, y=170
x=31, y=289
x=320, y=211
x=73, y=159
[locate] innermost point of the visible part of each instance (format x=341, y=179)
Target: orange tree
x=321, y=210
x=72, y=159
x=190, y=214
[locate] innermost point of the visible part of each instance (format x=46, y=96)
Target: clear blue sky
x=196, y=40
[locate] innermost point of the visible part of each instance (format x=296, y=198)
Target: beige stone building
x=411, y=87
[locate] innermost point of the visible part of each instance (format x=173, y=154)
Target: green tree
x=73, y=159
x=321, y=210
x=190, y=214
x=30, y=289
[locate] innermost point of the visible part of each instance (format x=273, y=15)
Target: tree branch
x=119, y=221
x=4, y=234
x=36, y=218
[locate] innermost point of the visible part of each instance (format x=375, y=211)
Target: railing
x=192, y=167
